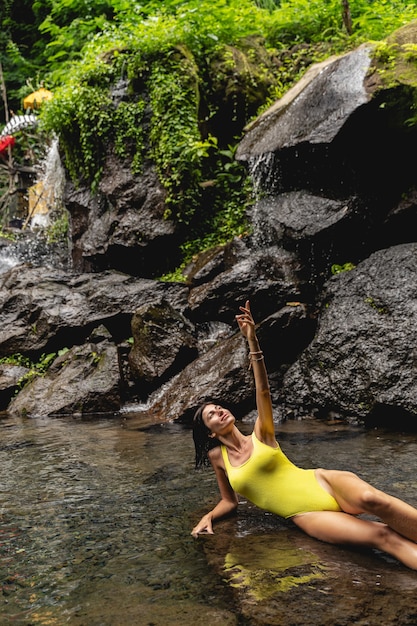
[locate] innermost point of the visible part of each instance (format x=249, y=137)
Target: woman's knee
x=386, y=539
x=374, y=501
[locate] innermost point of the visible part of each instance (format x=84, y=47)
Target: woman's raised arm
x=264, y=425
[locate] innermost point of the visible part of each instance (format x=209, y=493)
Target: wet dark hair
x=203, y=443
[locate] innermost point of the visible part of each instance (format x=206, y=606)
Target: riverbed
x=95, y=521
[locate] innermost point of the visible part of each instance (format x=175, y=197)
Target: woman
x=323, y=503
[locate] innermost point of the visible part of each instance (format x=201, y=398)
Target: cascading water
x=49, y=186
x=34, y=243
x=265, y=174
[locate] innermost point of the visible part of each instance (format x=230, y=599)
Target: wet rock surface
x=315, y=109
x=85, y=379
x=362, y=358
x=284, y=577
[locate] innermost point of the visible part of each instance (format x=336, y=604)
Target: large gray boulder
x=43, y=309
x=362, y=362
x=220, y=374
x=123, y=226
x=163, y=343
x=315, y=109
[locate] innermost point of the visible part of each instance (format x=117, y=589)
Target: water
x=51, y=177
x=32, y=244
x=95, y=521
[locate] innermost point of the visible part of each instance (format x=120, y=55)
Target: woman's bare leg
x=355, y=496
x=342, y=528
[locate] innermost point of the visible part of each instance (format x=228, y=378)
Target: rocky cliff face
x=330, y=269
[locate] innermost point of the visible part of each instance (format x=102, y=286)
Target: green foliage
x=129, y=132
x=338, y=269
x=321, y=20
x=270, y=5
x=17, y=359
x=34, y=369
x=379, y=18
x=166, y=50
x=226, y=218
x=7, y=235
x=57, y=232
x=95, y=358
x=385, y=53
x=81, y=114
x=176, y=144
x=410, y=50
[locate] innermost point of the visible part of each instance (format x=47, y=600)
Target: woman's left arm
x=264, y=425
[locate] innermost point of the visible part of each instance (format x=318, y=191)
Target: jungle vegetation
x=197, y=71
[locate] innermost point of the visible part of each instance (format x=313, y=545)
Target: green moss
x=379, y=308
x=338, y=269
x=395, y=58
x=57, y=232
x=176, y=145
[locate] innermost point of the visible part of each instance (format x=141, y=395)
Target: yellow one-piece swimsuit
x=272, y=482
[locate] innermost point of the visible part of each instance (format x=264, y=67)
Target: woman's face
x=216, y=418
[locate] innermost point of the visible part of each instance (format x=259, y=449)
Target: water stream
x=31, y=243
x=95, y=520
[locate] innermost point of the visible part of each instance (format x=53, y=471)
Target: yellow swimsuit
x=272, y=482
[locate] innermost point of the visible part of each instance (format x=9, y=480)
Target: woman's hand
x=204, y=526
x=246, y=322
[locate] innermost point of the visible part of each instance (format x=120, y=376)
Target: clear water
x=95, y=517
x=95, y=523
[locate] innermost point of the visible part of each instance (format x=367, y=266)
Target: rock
x=304, y=224
x=315, y=109
x=83, y=380
x=163, y=342
x=220, y=373
x=123, y=227
x=267, y=277
x=10, y=376
x=46, y=310
x=362, y=361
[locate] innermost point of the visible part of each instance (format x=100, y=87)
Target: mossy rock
x=395, y=59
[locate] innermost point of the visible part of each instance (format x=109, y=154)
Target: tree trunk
x=347, y=18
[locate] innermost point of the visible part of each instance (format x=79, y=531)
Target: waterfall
x=45, y=197
x=41, y=241
x=265, y=173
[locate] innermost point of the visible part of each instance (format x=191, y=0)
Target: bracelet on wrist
x=251, y=360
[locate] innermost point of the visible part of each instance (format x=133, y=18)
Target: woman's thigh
x=340, y=528
x=347, y=489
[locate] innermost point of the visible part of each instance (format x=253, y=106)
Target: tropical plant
x=176, y=56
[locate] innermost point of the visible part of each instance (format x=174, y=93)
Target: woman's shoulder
x=215, y=455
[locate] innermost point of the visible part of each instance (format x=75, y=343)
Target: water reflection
x=95, y=519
